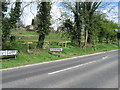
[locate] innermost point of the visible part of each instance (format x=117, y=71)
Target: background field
x=30, y=36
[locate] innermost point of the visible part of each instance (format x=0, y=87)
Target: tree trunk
x=86, y=37
x=90, y=29
x=100, y=40
x=41, y=41
x=79, y=42
x=89, y=39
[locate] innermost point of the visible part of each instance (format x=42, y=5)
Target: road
x=95, y=71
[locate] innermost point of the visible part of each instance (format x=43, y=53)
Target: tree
x=104, y=28
x=15, y=14
x=78, y=21
x=99, y=25
x=110, y=27
x=74, y=28
x=9, y=23
x=5, y=25
x=4, y=8
x=43, y=21
x=89, y=20
x=83, y=19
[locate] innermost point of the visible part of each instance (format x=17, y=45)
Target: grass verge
x=37, y=55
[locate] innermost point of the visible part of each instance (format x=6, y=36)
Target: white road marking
x=104, y=57
x=72, y=67
x=24, y=66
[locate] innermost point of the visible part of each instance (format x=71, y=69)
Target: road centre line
x=73, y=67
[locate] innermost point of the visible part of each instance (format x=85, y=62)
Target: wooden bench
x=28, y=45
x=5, y=54
x=64, y=43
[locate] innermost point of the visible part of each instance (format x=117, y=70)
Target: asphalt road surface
x=95, y=71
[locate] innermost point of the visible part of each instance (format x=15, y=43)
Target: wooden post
x=58, y=43
x=15, y=57
x=65, y=44
x=28, y=48
x=60, y=53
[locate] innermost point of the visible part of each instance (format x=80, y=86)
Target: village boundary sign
x=56, y=49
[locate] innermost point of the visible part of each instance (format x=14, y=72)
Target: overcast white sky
x=31, y=11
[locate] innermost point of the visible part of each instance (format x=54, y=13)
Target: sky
x=31, y=11
x=113, y=14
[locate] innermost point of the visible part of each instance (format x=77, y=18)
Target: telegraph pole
x=118, y=36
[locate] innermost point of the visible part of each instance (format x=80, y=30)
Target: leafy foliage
x=83, y=19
